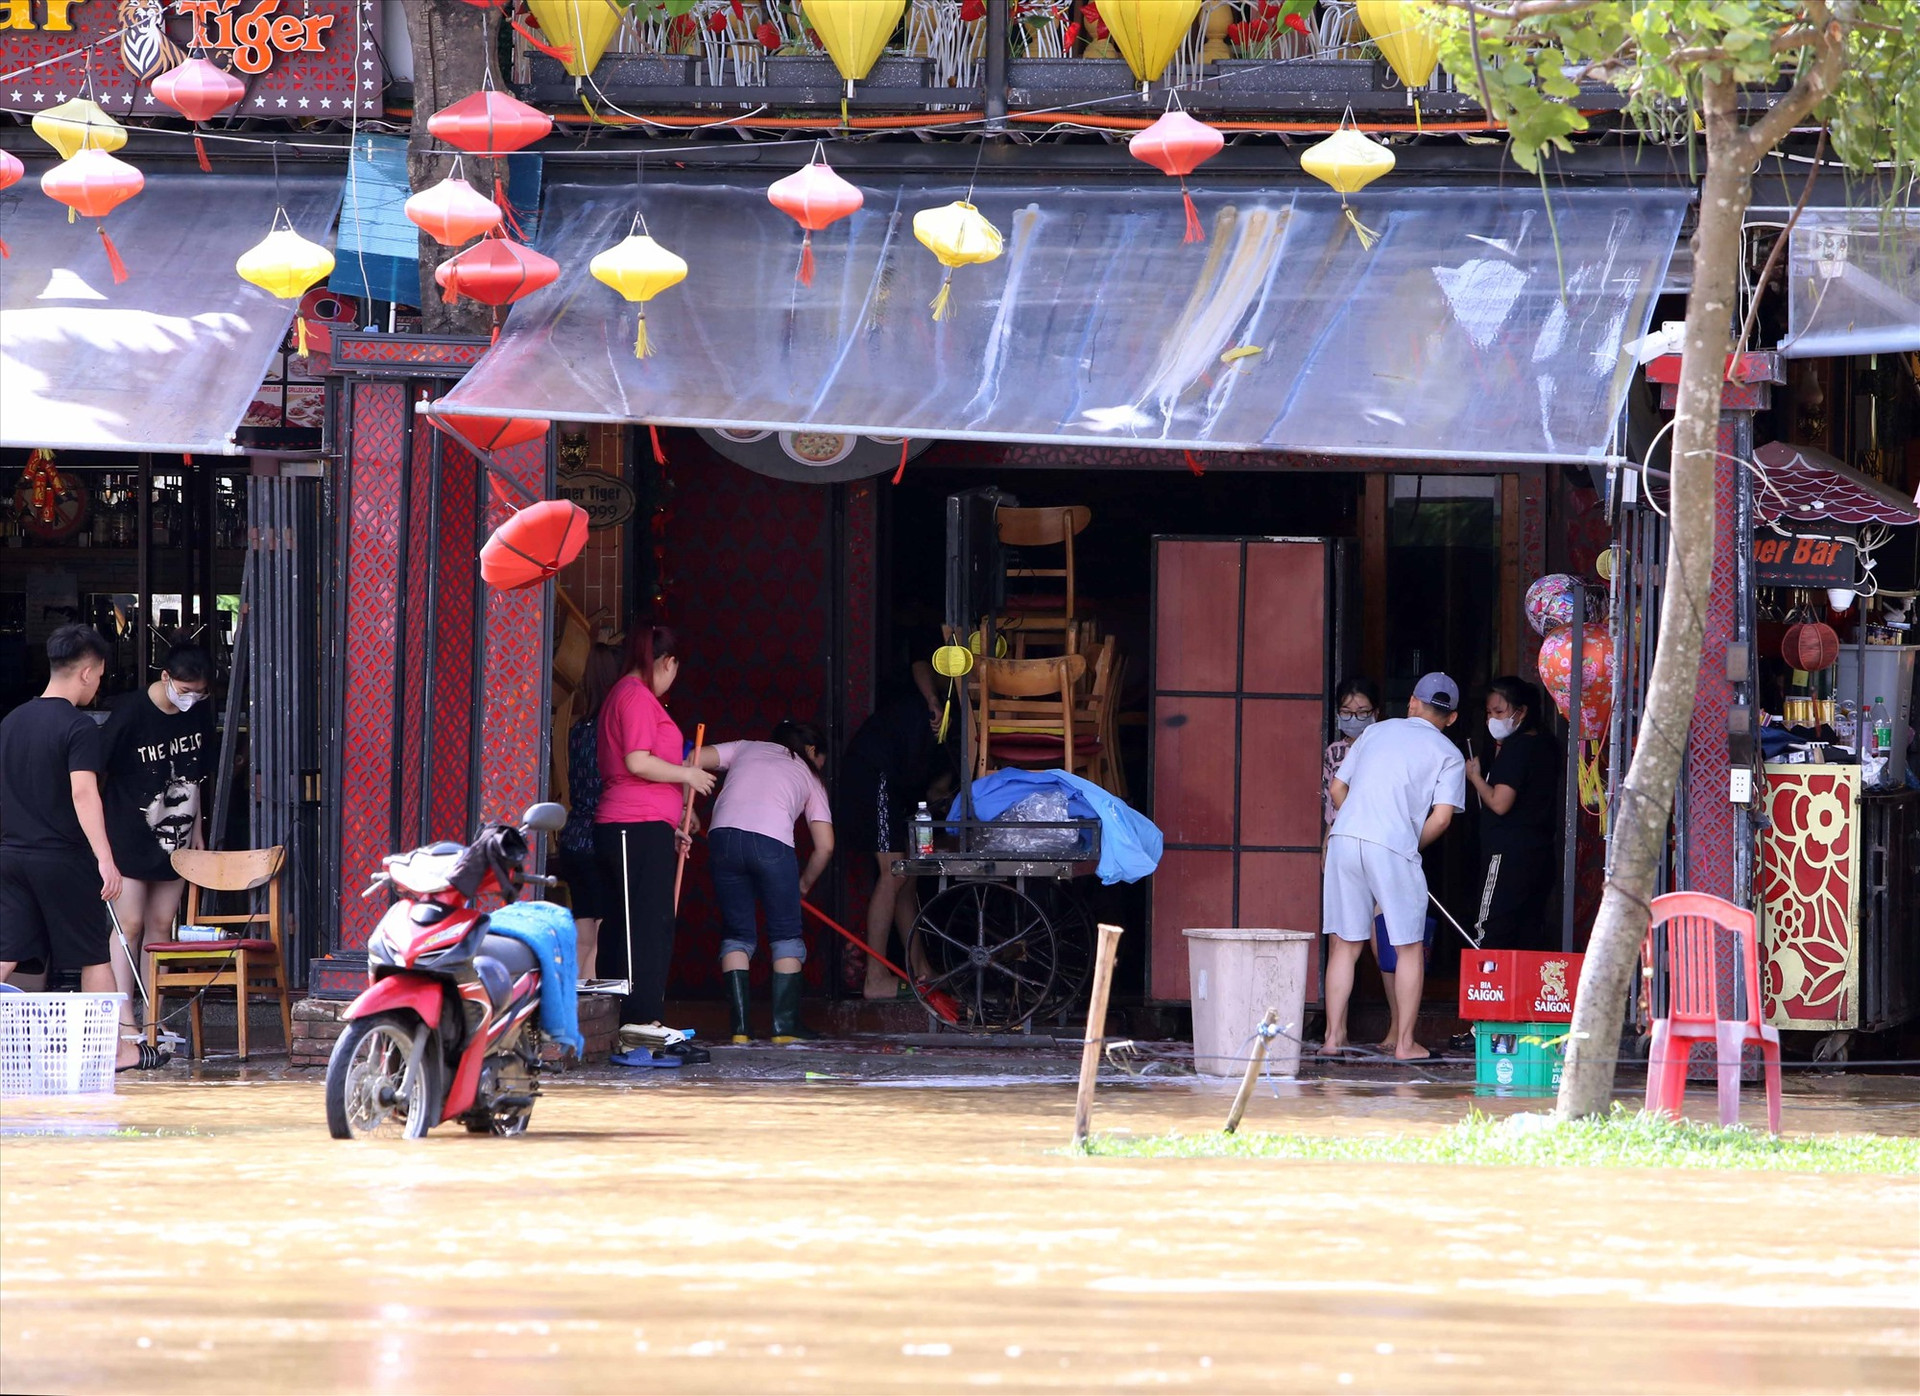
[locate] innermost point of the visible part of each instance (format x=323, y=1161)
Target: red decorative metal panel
x=862, y=546
x=407, y=355
x=1809, y=896
x=513, y=688
x=1710, y=821
x=373, y=503
x=417, y=553
x=449, y=784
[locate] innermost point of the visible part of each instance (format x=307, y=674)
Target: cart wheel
x=1073, y=938
x=991, y=947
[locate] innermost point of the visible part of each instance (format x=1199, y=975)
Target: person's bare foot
x=1412, y=1052
x=1330, y=1048
x=882, y=986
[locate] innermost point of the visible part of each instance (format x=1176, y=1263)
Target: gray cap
x=1436, y=690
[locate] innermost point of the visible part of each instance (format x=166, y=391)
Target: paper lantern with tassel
x=854, y=32
x=94, y=183
x=489, y=123
x=453, y=212
x=1395, y=26
x=533, y=545
x=495, y=271
x=1176, y=144
x=198, y=90
x=577, y=31
x=1349, y=161
x=11, y=172
x=960, y=236
x=490, y=434
x=814, y=197
x=639, y=269
x=78, y=124
x=1148, y=32
x=285, y=265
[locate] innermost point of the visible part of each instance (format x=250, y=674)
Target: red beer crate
x=1517, y=986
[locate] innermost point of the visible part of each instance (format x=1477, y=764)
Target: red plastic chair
x=1693, y=923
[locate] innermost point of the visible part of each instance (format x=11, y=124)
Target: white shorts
x=1361, y=875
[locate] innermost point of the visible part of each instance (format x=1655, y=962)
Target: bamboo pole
x=1254, y=1063
x=1096, y=1031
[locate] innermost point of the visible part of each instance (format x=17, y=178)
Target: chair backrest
x=1041, y=528
x=1031, y=678
x=241, y=870
x=1689, y=928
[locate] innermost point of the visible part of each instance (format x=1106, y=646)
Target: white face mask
x=181, y=699
x=1502, y=727
x=1352, y=726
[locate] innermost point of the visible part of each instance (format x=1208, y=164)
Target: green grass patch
x=1625, y=1139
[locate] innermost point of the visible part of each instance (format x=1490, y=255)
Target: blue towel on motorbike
x=546, y=928
x=1130, y=843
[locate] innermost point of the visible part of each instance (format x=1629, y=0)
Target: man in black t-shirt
x=56, y=865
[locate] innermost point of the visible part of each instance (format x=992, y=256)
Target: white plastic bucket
x=58, y=1044
x=1237, y=975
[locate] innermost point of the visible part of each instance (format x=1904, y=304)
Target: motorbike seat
x=499, y=961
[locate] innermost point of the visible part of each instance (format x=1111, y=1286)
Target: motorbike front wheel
x=371, y=1094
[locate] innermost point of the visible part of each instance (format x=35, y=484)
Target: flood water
x=705, y=1235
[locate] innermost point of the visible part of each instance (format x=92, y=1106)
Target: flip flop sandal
x=150, y=1059
x=640, y=1056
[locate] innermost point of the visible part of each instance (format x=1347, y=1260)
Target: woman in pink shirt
x=644, y=780
x=770, y=787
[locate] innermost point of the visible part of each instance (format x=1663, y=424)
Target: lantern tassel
x=1193, y=463
x=1368, y=236
x=659, y=452
x=1196, y=231
x=561, y=52
x=641, y=349
x=300, y=335
x=806, y=259
x=114, y=264
x=451, y=296
x=902, y=470
x=73, y=214
x=506, y=207
x=943, y=302
x=200, y=153
x=5, y=251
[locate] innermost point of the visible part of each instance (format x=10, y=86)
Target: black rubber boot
x=786, y=1011
x=737, y=1000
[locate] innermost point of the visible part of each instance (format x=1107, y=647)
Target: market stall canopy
x=1853, y=278
x=1465, y=333
x=1803, y=483
x=168, y=360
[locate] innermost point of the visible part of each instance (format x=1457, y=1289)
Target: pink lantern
x=453, y=212
x=814, y=197
x=1176, y=144
x=11, y=171
x=1550, y=602
x=1596, y=678
x=198, y=89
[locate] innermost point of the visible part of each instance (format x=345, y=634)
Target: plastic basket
x=58, y=1044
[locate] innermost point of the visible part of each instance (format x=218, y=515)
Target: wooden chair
x=1683, y=940
x=1046, y=614
x=1026, y=715
x=1094, y=711
x=254, y=963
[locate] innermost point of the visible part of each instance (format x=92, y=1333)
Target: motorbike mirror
x=545, y=818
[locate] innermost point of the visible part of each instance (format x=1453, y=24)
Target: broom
x=686, y=818
x=940, y=1003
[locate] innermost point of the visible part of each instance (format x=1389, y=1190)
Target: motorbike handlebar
x=379, y=882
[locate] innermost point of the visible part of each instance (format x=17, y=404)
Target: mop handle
x=686, y=817
x=835, y=925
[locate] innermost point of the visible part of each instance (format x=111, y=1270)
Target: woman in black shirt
x=1518, y=818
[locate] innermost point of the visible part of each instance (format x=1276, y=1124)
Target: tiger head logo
x=1553, y=980
x=145, y=46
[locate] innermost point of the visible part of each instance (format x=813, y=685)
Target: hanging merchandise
x=453, y=212
x=489, y=123
x=495, y=271
x=959, y=236
x=11, y=172
x=814, y=197
x=577, y=31
x=1551, y=602
x=854, y=32
x=639, y=269
x=1176, y=144
x=1398, y=29
x=198, y=90
x=1596, y=702
x=1148, y=32
x=1349, y=160
x=490, y=434
x=533, y=545
x=78, y=124
x=94, y=183
x=285, y=265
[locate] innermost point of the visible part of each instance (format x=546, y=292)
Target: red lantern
x=495, y=271
x=534, y=545
x=490, y=434
x=814, y=197
x=453, y=212
x=95, y=183
x=1176, y=144
x=10, y=172
x=1811, y=647
x=489, y=123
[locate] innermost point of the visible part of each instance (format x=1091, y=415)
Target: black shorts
x=586, y=887
x=50, y=909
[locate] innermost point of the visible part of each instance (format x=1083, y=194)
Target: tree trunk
x=452, y=52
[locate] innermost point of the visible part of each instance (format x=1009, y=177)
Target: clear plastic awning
x=1853, y=283
x=1467, y=331
x=169, y=359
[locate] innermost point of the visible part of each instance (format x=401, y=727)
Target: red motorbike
x=446, y=1028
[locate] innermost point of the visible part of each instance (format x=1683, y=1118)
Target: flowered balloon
x=1550, y=603
x=1596, y=678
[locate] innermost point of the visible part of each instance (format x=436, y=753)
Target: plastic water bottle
x=1882, y=728
x=923, y=831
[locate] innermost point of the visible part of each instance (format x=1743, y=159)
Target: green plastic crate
x=1518, y=1058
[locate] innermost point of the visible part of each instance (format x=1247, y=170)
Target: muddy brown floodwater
x=742, y=1236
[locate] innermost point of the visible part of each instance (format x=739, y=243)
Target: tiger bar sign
x=301, y=60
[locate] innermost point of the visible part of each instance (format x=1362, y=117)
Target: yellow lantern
x=854, y=32
x=585, y=27
x=1349, y=160
x=285, y=266
x=639, y=269
x=960, y=236
x=1399, y=28
x=1148, y=32
x=78, y=124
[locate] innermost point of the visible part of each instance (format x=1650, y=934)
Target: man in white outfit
x=1396, y=793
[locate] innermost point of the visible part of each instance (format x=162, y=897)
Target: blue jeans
x=750, y=868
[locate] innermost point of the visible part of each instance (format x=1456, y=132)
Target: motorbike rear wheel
x=371, y=1093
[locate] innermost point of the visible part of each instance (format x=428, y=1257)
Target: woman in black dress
x=1519, y=817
